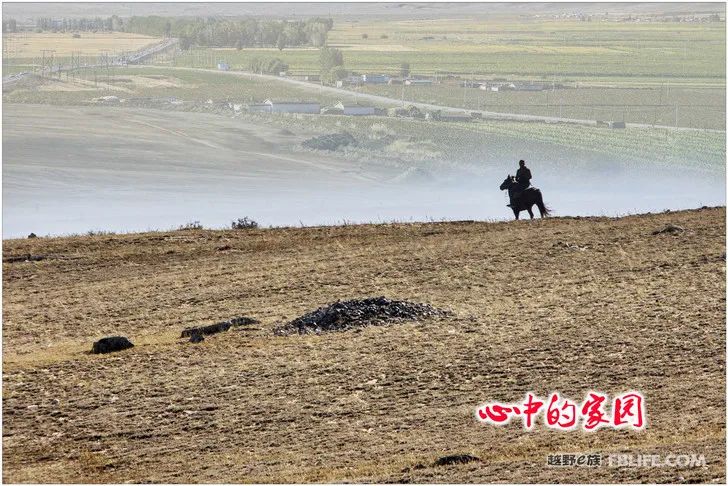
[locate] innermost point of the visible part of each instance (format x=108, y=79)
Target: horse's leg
x=516, y=212
x=530, y=212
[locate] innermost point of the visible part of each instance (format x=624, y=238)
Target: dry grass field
x=562, y=304
x=32, y=44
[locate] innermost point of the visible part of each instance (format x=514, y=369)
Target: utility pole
x=676, y=112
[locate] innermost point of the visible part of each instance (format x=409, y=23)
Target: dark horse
x=524, y=201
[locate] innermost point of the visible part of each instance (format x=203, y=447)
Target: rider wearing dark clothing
x=523, y=181
x=523, y=176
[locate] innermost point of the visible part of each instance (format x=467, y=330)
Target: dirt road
x=393, y=102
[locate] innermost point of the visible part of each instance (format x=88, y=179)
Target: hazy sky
x=21, y=10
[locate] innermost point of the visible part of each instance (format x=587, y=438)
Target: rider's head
x=522, y=163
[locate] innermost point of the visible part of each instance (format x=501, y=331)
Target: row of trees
x=331, y=62
x=207, y=32
x=82, y=24
x=10, y=25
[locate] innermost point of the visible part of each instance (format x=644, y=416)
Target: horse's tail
x=543, y=209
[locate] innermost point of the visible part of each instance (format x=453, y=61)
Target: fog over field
x=75, y=169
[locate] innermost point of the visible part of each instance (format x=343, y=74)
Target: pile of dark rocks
x=111, y=344
x=351, y=314
x=456, y=459
x=330, y=142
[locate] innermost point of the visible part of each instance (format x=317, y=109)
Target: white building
x=311, y=107
x=258, y=108
x=355, y=110
x=418, y=82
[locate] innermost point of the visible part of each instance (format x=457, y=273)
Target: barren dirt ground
x=561, y=304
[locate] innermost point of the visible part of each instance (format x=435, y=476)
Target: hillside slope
x=562, y=304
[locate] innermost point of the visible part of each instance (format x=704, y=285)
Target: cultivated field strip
x=567, y=304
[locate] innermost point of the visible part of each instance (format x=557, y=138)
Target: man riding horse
x=523, y=180
x=522, y=195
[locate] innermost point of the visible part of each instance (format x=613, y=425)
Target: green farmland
x=659, y=105
x=565, y=51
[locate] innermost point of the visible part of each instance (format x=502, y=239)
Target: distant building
x=448, y=117
x=456, y=117
x=332, y=110
x=223, y=66
x=310, y=107
x=375, y=78
x=355, y=109
x=471, y=84
x=528, y=87
x=611, y=124
x=306, y=77
x=503, y=87
x=418, y=82
x=258, y=108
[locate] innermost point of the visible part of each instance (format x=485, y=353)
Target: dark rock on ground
x=23, y=258
x=568, y=246
x=32, y=235
x=670, y=229
x=243, y=321
x=456, y=459
x=352, y=314
x=111, y=344
x=218, y=327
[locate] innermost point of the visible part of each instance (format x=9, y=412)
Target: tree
x=329, y=59
x=264, y=65
x=184, y=43
x=10, y=25
x=404, y=69
x=281, y=42
x=318, y=38
x=339, y=72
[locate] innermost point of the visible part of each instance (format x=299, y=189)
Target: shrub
x=244, y=223
x=272, y=65
x=192, y=225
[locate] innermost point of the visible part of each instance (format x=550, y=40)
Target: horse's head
x=507, y=183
